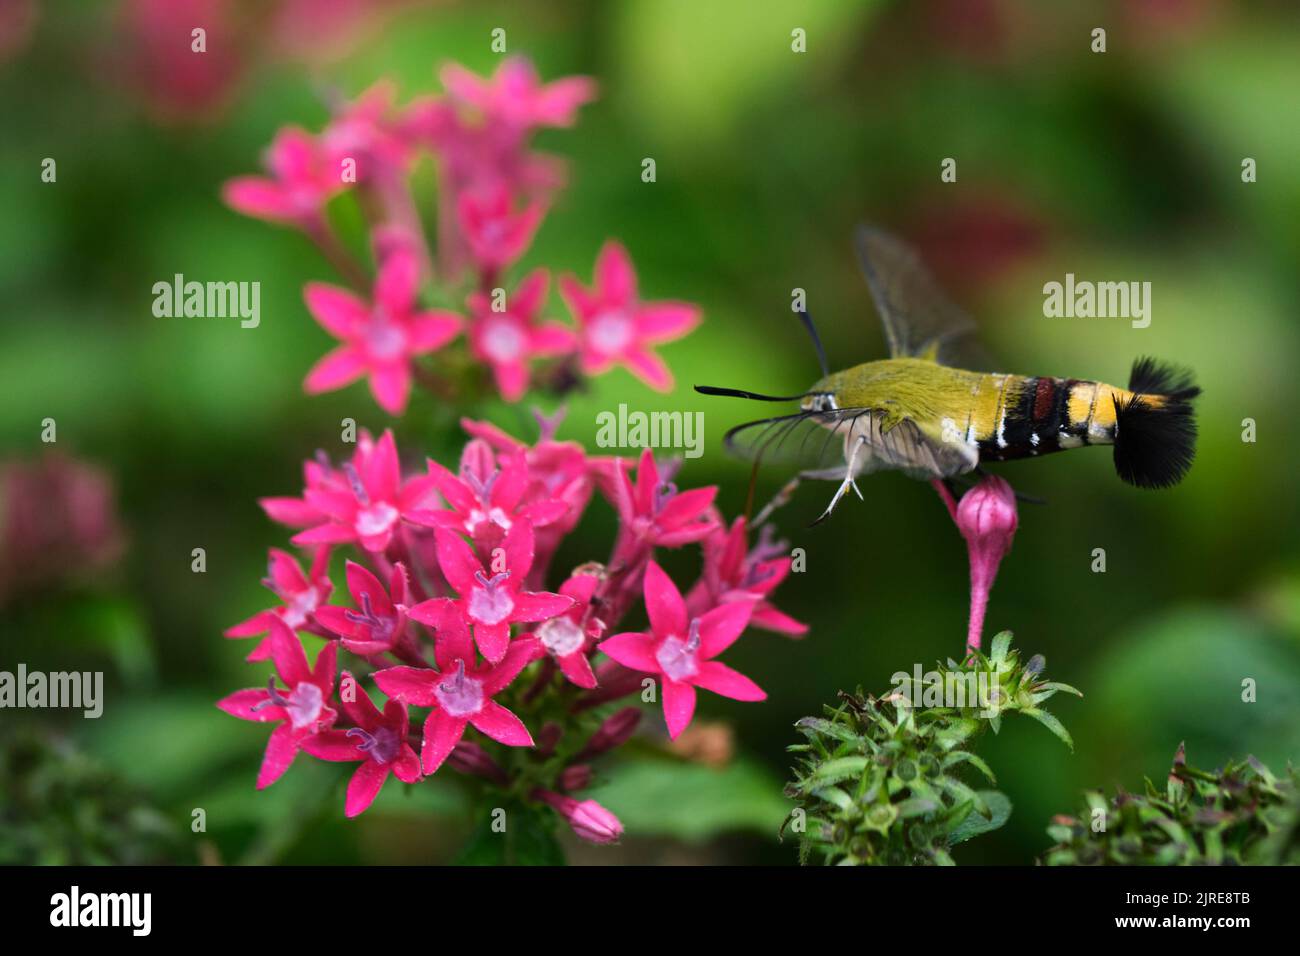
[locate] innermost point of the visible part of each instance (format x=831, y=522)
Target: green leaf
x=974, y=825
x=1052, y=724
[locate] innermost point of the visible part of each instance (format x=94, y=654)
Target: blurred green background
x=1117, y=166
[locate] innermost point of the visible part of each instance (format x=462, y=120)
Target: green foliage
x=59, y=807
x=888, y=781
x=1242, y=814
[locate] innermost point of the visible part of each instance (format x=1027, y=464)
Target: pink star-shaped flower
x=566, y=638
x=302, y=180
x=497, y=234
x=681, y=649
x=516, y=97
x=654, y=511
x=459, y=692
x=616, y=328
x=302, y=595
x=378, y=741
x=492, y=599
x=734, y=572
x=487, y=498
x=301, y=709
x=317, y=475
x=377, y=625
x=508, y=340
x=375, y=501
x=379, y=338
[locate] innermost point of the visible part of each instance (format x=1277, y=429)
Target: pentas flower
x=515, y=97
x=490, y=600
x=616, y=328
x=487, y=499
x=459, y=692
x=366, y=131
x=567, y=636
x=680, y=649
x=378, y=741
x=303, y=178
x=380, y=338
x=301, y=593
x=986, y=517
x=317, y=474
x=377, y=625
x=508, y=340
x=375, y=501
x=301, y=709
x=497, y=234
x=735, y=572
x=654, y=512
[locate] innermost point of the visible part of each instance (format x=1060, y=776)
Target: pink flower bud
x=614, y=732
x=588, y=818
x=986, y=517
x=469, y=758
x=577, y=777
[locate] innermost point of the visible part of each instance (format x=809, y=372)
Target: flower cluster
x=449, y=609
x=494, y=192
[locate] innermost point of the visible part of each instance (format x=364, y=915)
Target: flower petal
x=411, y=685
x=343, y=366
x=664, y=604
x=501, y=725
x=365, y=786
x=339, y=312
x=720, y=627
x=722, y=680
x=679, y=706
x=441, y=734
x=632, y=650
x=280, y=751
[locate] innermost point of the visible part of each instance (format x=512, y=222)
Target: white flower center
x=561, y=636
x=677, y=659
x=494, y=515
x=503, y=341
x=491, y=604
x=304, y=705
x=460, y=695
x=385, y=340
x=611, y=332
x=376, y=519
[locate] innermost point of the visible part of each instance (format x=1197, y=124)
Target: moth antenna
x=807, y=321
x=741, y=393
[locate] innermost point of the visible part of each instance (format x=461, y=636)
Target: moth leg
x=847, y=483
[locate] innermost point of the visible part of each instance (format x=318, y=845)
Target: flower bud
x=469, y=758
x=577, y=777
x=614, y=732
x=588, y=818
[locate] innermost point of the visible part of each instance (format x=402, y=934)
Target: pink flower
x=497, y=235
x=732, y=572
x=366, y=132
x=380, y=625
x=588, y=818
x=490, y=600
x=617, y=328
x=986, y=517
x=374, y=502
x=681, y=650
x=301, y=710
x=508, y=340
x=302, y=180
x=655, y=512
x=302, y=595
x=380, y=338
x=566, y=638
x=378, y=741
x=317, y=475
x=515, y=97
x=487, y=499
x=459, y=692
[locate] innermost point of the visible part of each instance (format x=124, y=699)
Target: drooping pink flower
x=567, y=636
x=300, y=710
x=735, y=572
x=492, y=599
x=487, y=498
x=378, y=741
x=681, y=649
x=986, y=517
x=302, y=180
x=374, y=502
x=589, y=819
x=379, y=338
x=378, y=623
x=497, y=234
x=301, y=594
x=617, y=328
x=510, y=339
x=653, y=511
x=460, y=693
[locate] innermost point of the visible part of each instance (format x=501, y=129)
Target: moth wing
x=819, y=443
x=919, y=319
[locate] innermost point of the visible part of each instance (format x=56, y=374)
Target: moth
x=924, y=414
